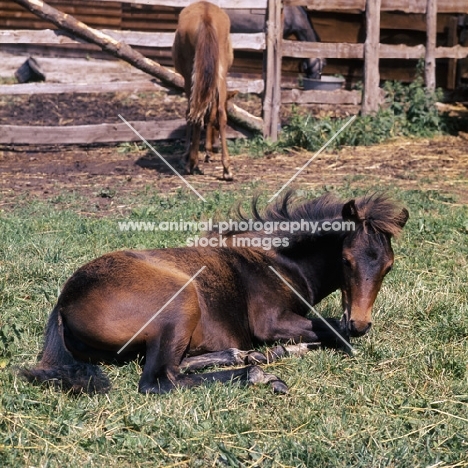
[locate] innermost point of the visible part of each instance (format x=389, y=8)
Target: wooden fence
x=370, y=52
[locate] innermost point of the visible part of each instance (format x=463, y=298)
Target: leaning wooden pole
x=125, y=52
x=371, y=95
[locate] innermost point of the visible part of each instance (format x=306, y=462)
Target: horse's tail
x=205, y=72
x=59, y=368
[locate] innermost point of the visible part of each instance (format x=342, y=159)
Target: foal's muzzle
x=358, y=327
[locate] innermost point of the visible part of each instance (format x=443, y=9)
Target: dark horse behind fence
x=202, y=54
x=296, y=23
x=133, y=303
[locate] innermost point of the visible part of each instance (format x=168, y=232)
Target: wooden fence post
x=452, y=40
x=431, y=36
x=272, y=70
x=371, y=95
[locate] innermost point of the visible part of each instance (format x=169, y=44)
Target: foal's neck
x=316, y=266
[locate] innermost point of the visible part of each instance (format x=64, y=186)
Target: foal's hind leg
x=251, y=375
x=162, y=379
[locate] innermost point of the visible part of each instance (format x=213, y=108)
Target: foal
x=202, y=54
x=177, y=305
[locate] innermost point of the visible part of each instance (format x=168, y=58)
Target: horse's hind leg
x=227, y=174
x=210, y=138
x=222, y=121
x=191, y=159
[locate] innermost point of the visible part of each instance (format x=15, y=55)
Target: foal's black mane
x=376, y=212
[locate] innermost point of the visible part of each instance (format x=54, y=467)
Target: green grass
x=401, y=401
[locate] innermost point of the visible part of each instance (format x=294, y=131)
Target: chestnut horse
x=146, y=303
x=202, y=54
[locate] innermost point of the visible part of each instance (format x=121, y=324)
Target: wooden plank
x=84, y=88
x=250, y=4
x=247, y=86
x=340, y=96
x=299, y=49
x=431, y=32
x=356, y=51
x=456, y=52
x=84, y=5
x=407, y=6
x=145, y=39
x=101, y=133
x=29, y=21
x=401, y=51
x=370, y=97
x=410, y=21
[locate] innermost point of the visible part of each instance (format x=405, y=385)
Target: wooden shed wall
x=331, y=27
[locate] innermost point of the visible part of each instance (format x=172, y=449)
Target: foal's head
x=367, y=256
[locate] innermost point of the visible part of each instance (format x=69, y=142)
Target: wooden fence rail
x=370, y=52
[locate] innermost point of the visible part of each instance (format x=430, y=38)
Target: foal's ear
x=349, y=211
x=402, y=218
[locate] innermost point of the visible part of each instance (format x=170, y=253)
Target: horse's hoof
x=276, y=353
x=255, y=357
x=156, y=389
x=259, y=376
x=208, y=158
x=228, y=176
x=196, y=171
x=279, y=387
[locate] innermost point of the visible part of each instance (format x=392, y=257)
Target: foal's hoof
x=255, y=357
x=259, y=376
x=279, y=387
x=276, y=353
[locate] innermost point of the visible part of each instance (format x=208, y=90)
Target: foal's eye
x=346, y=262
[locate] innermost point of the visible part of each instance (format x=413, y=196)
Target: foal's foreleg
x=235, y=357
x=228, y=357
x=327, y=332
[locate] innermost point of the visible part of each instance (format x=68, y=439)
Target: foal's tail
x=205, y=72
x=59, y=368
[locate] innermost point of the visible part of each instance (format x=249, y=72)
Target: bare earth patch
x=105, y=175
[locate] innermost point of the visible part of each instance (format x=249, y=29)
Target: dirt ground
x=107, y=174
